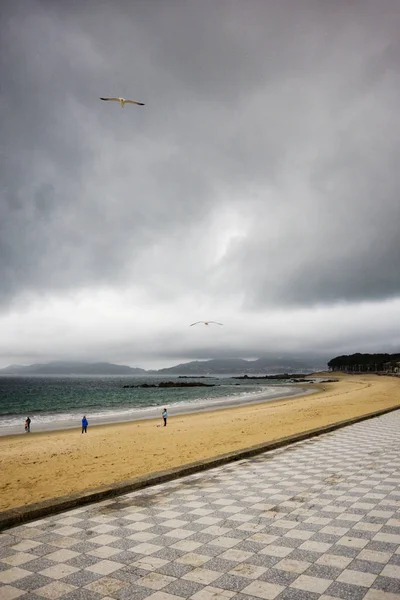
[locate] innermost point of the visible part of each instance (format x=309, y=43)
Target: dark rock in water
x=165, y=384
x=171, y=384
x=279, y=376
x=194, y=377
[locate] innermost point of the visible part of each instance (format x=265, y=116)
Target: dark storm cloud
x=284, y=114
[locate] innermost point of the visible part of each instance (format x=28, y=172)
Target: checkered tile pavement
x=317, y=520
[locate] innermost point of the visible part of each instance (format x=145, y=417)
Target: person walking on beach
x=164, y=416
x=84, y=424
x=28, y=425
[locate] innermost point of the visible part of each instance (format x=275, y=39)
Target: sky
x=259, y=186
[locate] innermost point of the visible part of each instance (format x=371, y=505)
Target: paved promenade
x=316, y=520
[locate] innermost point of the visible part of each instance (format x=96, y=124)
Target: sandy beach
x=45, y=465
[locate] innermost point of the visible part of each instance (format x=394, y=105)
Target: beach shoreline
x=52, y=464
x=153, y=412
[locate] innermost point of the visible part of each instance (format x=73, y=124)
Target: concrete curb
x=32, y=512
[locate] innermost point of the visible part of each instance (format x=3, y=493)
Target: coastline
x=48, y=465
x=132, y=415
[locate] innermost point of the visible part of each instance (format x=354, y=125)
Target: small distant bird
x=206, y=323
x=122, y=101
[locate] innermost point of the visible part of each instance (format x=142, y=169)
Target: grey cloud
x=243, y=100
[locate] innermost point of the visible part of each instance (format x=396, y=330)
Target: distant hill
x=71, y=368
x=222, y=366
x=218, y=366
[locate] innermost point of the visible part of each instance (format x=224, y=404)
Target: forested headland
x=366, y=363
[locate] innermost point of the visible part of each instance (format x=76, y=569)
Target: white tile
x=236, y=555
x=58, y=571
x=105, y=585
x=212, y=593
x=154, y=581
x=391, y=571
x=312, y=546
x=145, y=548
x=374, y=556
x=262, y=589
x=149, y=563
x=55, y=590
x=62, y=555
x=200, y=575
x=194, y=560
x=247, y=570
x=351, y=542
x=311, y=584
x=380, y=595
x=105, y=567
x=13, y=574
x=104, y=552
x=18, y=559
x=8, y=592
x=357, y=578
x=332, y=560
x=292, y=566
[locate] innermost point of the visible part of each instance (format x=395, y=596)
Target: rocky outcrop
x=171, y=384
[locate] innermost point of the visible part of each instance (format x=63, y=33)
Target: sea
x=59, y=402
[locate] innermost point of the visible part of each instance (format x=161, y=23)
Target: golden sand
x=46, y=465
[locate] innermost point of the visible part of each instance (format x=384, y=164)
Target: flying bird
x=205, y=323
x=122, y=101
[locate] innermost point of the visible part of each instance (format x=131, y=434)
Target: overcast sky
x=259, y=186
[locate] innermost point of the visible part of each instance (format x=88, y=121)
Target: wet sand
x=46, y=465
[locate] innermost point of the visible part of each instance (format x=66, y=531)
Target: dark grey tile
x=323, y=572
x=202, y=538
x=395, y=559
x=340, y=550
x=387, y=584
x=124, y=544
x=182, y=587
x=38, y=564
x=83, y=547
x=346, y=591
x=262, y=560
x=169, y=553
x=83, y=560
x=210, y=550
x=175, y=569
x=33, y=582
x=124, y=557
x=81, y=578
x=305, y=555
x=278, y=577
x=250, y=546
x=366, y=566
x=132, y=592
x=218, y=564
x=230, y=582
x=381, y=547
x=130, y=574
x=43, y=549
x=293, y=594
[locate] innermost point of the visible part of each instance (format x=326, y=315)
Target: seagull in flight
x=123, y=101
x=206, y=323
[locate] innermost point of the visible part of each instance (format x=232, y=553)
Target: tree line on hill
x=366, y=363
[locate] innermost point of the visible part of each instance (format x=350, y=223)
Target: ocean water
x=58, y=402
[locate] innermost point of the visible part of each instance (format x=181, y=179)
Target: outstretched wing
x=133, y=102
x=197, y=322
x=115, y=99
x=216, y=322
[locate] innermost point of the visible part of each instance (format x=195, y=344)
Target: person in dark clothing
x=84, y=424
x=164, y=415
x=28, y=425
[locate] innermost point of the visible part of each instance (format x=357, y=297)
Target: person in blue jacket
x=164, y=415
x=84, y=424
